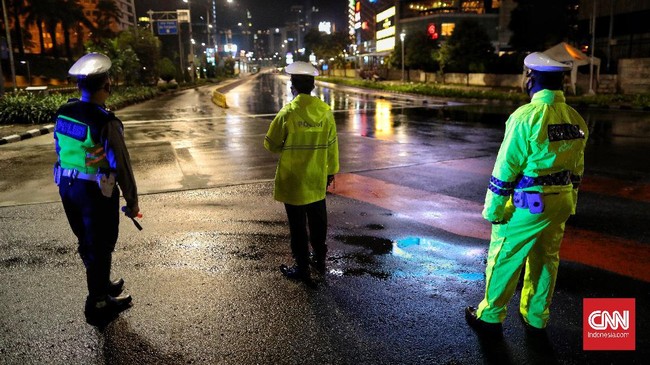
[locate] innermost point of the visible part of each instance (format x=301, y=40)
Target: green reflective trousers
x=533, y=240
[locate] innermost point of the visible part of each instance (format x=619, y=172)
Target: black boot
x=295, y=272
x=101, y=312
x=319, y=265
x=530, y=329
x=115, y=287
x=480, y=326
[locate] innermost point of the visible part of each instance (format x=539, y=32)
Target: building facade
x=438, y=18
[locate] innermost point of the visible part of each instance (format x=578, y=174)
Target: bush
x=27, y=108
x=601, y=100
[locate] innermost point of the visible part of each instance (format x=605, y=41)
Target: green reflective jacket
x=304, y=133
x=527, y=149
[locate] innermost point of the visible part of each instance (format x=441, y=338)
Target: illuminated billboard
x=385, y=32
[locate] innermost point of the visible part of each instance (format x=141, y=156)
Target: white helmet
x=541, y=62
x=91, y=64
x=301, y=68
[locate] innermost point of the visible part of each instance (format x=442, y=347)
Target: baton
x=126, y=211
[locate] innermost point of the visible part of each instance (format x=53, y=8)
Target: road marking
x=454, y=215
x=463, y=218
x=242, y=114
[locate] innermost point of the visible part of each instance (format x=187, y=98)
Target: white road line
x=268, y=115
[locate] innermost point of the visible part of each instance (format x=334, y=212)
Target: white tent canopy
x=564, y=52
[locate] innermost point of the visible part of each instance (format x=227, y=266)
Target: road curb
x=29, y=134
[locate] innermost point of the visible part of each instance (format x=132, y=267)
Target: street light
x=10, y=47
x=29, y=74
x=189, y=9
x=401, y=37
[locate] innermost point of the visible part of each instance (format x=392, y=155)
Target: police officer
x=92, y=157
x=532, y=192
x=304, y=133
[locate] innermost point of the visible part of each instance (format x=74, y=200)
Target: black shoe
x=318, y=265
x=530, y=329
x=101, y=312
x=481, y=326
x=115, y=287
x=295, y=272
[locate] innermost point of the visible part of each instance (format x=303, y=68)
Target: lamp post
x=402, y=35
x=591, y=59
x=29, y=74
x=189, y=8
x=9, y=45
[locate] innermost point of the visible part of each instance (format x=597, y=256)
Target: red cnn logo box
x=608, y=324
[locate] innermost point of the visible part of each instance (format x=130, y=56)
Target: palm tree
x=108, y=12
x=40, y=12
x=49, y=13
x=16, y=8
x=70, y=18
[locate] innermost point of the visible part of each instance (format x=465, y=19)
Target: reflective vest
x=304, y=132
x=78, y=134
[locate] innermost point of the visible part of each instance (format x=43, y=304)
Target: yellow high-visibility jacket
x=304, y=133
x=543, y=137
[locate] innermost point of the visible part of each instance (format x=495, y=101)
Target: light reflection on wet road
x=407, y=246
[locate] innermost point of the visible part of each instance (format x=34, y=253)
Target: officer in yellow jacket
x=92, y=158
x=532, y=192
x=304, y=133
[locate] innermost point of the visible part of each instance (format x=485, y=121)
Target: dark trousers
x=314, y=215
x=94, y=219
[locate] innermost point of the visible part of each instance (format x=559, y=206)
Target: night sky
x=265, y=13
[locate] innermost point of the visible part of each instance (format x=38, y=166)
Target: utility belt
x=558, y=178
x=105, y=180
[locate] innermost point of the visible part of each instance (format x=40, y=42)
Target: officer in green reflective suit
x=532, y=192
x=92, y=162
x=304, y=133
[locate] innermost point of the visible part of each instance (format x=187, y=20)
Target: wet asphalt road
x=204, y=275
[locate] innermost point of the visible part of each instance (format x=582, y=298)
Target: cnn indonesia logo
x=609, y=324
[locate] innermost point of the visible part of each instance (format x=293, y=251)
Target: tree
x=108, y=12
x=539, y=24
x=125, y=64
x=70, y=16
x=326, y=46
x=166, y=69
x=50, y=13
x=419, y=49
x=468, y=49
x=17, y=9
x=38, y=13
x=147, y=48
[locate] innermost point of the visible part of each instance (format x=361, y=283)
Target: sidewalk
x=18, y=132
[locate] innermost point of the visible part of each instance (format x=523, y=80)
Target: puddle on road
x=375, y=226
x=424, y=257
x=378, y=245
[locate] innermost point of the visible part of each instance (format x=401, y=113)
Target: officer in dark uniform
x=92, y=157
